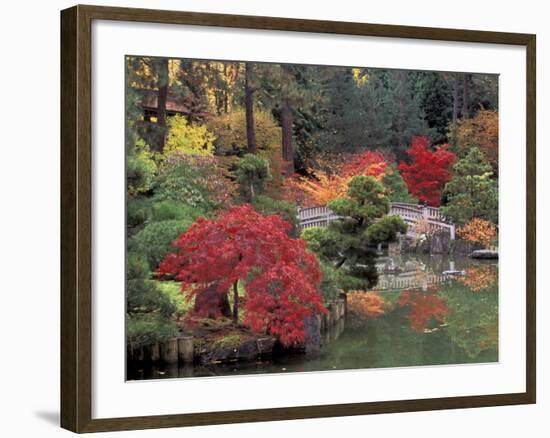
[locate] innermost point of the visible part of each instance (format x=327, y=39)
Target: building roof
x=174, y=104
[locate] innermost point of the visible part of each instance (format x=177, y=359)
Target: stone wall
x=189, y=349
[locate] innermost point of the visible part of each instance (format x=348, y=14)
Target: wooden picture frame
x=76, y=218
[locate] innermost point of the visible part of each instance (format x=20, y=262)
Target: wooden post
x=344, y=297
x=334, y=313
x=186, y=349
x=169, y=351
x=140, y=354
x=324, y=322
x=154, y=352
x=312, y=338
x=329, y=316
x=341, y=309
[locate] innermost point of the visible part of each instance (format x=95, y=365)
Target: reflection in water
x=453, y=320
x=424, y=307
x=365, y=305
x=480, y=278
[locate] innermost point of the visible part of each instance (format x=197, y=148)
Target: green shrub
x=140, y=169
x=138, y=212
x=172, y=289
x=144, y=297
x=154, y=240
x=252, y=173
x=287, y=210
x=330, y=286
x=396, y=188
x=137, y=266
x=197, y=181
x=142, y=330
x=169, y=209
x=385, y=230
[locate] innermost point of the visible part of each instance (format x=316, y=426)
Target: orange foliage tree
x=326, y=186
x=479, y=231
x=480, y=131
x=365, y=305
x=320, y=190
x=368, y=163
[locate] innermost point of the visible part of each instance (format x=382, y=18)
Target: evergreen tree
x=472, y=193
x=349, y=243
x=407, y=117
x=435, y=97
x=378, y=110
x=396, y=188
x=344, y=118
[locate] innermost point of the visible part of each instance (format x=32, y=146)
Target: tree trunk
x=466, y=96
x=161, y=103
x=286, y=124
x=211, y=303
x=235, y=303
x=455, y=109
x=455, y=98
x=249, y=108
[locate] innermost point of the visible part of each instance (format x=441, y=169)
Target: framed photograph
x=269, y=219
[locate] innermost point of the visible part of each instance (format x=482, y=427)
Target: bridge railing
x=316, y=217
x=321, y=216
x=398, y=283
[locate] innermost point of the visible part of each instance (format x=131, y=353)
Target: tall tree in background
x=406, y=115
x=454, y=120
x=249, y=109
x=344, y=121
x=197, y=79
x=435, y=95
x=466, y=77
x=370, y=108
x=162, y=65
x=286, y=121
x=290, y=91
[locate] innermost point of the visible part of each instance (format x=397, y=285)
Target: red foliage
x=280, y=275
x=423, y=308
x=321, y=187
x=368, y=163
x=428, y=172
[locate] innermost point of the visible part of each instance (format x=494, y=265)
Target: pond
x=437, y=310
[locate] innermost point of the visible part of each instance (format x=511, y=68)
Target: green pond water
x=431, y=318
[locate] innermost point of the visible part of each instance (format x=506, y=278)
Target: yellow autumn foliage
x=189, y=138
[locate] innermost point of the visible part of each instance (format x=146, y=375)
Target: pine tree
x=472, y=193
x=351, y=241
x=396, y=188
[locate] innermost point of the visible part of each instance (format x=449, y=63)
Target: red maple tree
x=423, y=307
x=280, y=275
x=428, y=172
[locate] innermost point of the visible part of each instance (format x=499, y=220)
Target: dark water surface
x=431, y=318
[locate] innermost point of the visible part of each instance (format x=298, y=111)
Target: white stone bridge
x=410, y=213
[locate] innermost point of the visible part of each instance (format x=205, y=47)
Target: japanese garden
x=289, y=218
